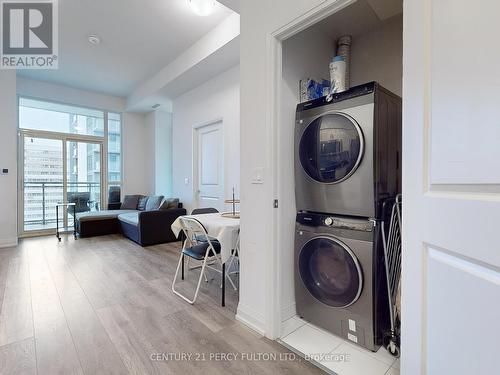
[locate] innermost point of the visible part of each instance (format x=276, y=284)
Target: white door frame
x=273, y=270
x=195, y=167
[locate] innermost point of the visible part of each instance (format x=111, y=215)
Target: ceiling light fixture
x=202, y=7
x=94, y=39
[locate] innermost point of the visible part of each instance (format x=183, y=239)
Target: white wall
x=378, y=55
x=138, y=155
x=216, y=99
x=159, y=130
x=137, y=137
x=149, y=150
x=8, y=158
x=163, y=154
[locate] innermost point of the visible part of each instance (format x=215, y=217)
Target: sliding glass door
x=42, y=183
x=58, y=168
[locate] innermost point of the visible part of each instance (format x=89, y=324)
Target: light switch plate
x=258, y=175
x=186, y=181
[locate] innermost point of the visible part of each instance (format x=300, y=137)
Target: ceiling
x=211, y=55
x=231, y=4
x=221, y=60
x=138, y=38
x=367, y=13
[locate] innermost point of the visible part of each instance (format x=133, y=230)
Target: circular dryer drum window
x=331, y=148
x=330, y=271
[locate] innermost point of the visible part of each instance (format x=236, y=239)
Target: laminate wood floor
x=104, y=305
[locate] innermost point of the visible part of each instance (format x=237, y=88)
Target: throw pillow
x=154, y=202
x=130, y=202
x=169, y=203
x=142, y=204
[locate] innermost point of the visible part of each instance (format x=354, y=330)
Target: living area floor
x=104, y=305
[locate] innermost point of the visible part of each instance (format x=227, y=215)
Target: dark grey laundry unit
x=348, y=152
x=339, y=277
x=347, y=164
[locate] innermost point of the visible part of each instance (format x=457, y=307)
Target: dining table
x=222, y=226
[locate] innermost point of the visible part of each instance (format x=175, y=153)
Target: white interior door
x=451, y=193
x=210, y=166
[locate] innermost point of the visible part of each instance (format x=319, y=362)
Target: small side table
x=66, y=229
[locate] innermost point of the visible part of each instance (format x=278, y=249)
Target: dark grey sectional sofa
x=143, y=223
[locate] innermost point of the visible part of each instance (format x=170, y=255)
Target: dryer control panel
x=330, y=221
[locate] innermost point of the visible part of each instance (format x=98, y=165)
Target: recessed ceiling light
x=94, y=39
x=202, y=7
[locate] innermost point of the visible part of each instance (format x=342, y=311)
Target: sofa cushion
x=130, y=202
x=131, y=218
x=169, y=203
x=154, y=202
x=142, y=203
x=101, y=215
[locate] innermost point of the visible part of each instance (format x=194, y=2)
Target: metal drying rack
x=392, y=255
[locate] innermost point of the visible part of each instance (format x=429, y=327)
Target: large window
x=114, y=149
x=62, y=160
x=60, y=118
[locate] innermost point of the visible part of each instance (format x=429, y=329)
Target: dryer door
x=330, y=271
x=331, y=148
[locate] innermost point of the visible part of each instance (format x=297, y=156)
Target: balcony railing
x=40, y=199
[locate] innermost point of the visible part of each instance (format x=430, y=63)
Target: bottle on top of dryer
x=338, y=74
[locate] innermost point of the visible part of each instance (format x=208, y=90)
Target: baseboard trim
x=8, y=242
x=252, y=320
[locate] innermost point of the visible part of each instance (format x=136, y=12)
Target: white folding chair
x=199, y=246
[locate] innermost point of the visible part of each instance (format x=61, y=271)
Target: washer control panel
x=339, y=222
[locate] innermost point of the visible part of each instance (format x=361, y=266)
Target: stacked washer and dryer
x=347, y=164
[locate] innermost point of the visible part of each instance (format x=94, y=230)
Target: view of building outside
x=43, y=160
x=114, y=149
x=43, y=184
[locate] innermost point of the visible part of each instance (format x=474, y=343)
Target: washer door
x=331, y=148
x=330, y=271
